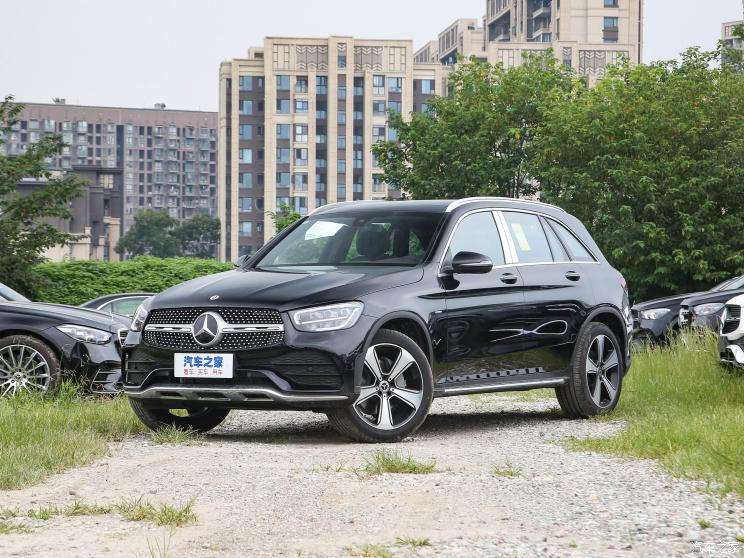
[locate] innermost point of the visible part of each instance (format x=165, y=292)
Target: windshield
x=392, y=239
x=730, y=284
x=6, y=293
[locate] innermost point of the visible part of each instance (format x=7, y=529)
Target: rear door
x=483, y=310
x=558, y=291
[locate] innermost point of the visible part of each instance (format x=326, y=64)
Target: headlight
x=86, y=334
x=707, y=309
x=139, y=318
x=654, y=314
x=327, y=318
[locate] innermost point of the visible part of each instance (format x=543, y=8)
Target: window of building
x=610, y=31
x=282, y=83
x=300, y=182
x=246, y=180
x=246, y=204
x=378, y=186
x=245, y=83
x=610, y=3
x=342, y=117
x=282, y=106
x=282, y=179
x=82, y=126
x=378, y=133
x=341, y=93
x=358, y=86
x=321, y=135
x=301, y=85
x=283, y=131
x=246, y=228
x=341, y=166
x=282, y=155
x=395, y=85
x=427, y=86
x=341, y=61
x=301, y=105
x=321, y=85
x=395, y=105
x=378, y=85
x=246, y=131
x=246, y=107
x=378, y=108
x=341, y=142
x=393, y=134
x=301, y=133
x=301, y=157
x=341, y=192
x=610, y=23
x=358, y=159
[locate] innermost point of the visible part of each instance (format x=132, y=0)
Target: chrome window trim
x=506, y=237
x=504, y=248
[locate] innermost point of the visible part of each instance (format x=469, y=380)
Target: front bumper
x=307, y=371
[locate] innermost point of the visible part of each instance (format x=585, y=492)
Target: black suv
x=368, y=310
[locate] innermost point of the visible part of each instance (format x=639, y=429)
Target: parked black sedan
x=124, y=304
x=704, y=309
x=39, y=341
x=653, y=320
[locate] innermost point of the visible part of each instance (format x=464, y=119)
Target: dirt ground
x=282, y=484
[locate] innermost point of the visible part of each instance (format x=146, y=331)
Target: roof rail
x=324, y=207
x=457, y=203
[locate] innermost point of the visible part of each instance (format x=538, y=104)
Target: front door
x=484, y=312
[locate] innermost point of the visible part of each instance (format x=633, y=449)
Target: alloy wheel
x=602, y=370
x=392, y=387
x=22, y=368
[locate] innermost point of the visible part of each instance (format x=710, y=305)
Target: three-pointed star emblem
x=207, y=329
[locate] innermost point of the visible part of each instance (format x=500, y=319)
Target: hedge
x=76, y=282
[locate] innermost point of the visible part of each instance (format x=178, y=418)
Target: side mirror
x=471, y=262
x=242, y=260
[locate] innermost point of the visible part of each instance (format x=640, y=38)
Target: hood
x=68, y=314
x=671, y=302
x=284, y=291
x=716, y=296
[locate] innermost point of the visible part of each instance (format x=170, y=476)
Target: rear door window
x=528, y=237
x=578, y=252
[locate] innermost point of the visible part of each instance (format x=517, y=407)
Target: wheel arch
x=612, y=318
x=36, y=335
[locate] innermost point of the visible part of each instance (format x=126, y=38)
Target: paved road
x=266, y=484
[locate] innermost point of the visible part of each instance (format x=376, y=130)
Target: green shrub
x=79, y=281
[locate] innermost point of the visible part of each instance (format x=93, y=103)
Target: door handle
x=572, y=276
x=509, y=278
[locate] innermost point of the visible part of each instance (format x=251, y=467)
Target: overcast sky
x=139, y=52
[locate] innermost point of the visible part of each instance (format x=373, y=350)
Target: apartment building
x=297, y=120
x=587, y=35
x=134, y=159
x=728, y=37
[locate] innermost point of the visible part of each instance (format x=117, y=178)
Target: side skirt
x=520, y=382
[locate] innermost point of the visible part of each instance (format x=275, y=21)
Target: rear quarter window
x=578, y=252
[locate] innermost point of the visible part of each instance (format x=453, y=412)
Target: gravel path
x=265, y=484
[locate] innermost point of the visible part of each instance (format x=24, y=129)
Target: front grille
x=733, y=319
x=230, y=341
x=230, y=315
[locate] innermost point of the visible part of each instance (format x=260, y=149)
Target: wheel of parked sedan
x=596, y=374
x=27, y=365
x=395, y=394
x=199, y=420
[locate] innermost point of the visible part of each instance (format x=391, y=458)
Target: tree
x=473, y=141
x=651, y=160
x=24, y=233
x=284, y=217
x=199, y=236
x=153, y=233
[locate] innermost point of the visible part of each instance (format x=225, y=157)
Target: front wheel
x=597, y=371
x=199, y=420
x=395, y=395
x=27, y=365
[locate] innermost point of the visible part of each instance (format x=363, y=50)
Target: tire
x=28, y=365
x=581, y=397
x=199, y=420
x=396, y=394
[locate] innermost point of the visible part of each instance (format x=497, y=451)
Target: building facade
x=297, y=120
x=587, y=35
x=728, y=37
x=133, y=159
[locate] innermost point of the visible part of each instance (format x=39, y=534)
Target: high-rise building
x=134, y=159
x=728, y=37
x=297, y=121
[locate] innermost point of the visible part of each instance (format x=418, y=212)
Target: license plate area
x=203, y=365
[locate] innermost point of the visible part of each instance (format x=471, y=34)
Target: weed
x=507, y=470
x=176, y=436
x=388, y=461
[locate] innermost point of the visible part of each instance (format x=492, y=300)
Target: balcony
x=542, y=11
x=610, y=34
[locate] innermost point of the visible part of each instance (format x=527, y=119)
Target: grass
x=42, y=435
x=389, y=461
x=370, y=551
x=704, y=523
x=162, y=515
x=685, y=410
x=161, y=549
x=13, y=528
x=175, y=436
x=412, y=542
x=507, y=470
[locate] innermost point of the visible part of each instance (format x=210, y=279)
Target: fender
x=359, y=364
x=608, y=309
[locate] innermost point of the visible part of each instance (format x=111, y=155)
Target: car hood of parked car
x=63, y=314
x=711, y=297
x=284, y=290
x=664, y=302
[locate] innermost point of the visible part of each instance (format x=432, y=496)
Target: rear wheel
x=395, y=395
x=27, y=365
x=596, y=374
x=200, y=420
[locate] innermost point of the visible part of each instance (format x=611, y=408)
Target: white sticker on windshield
x=322, y=229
